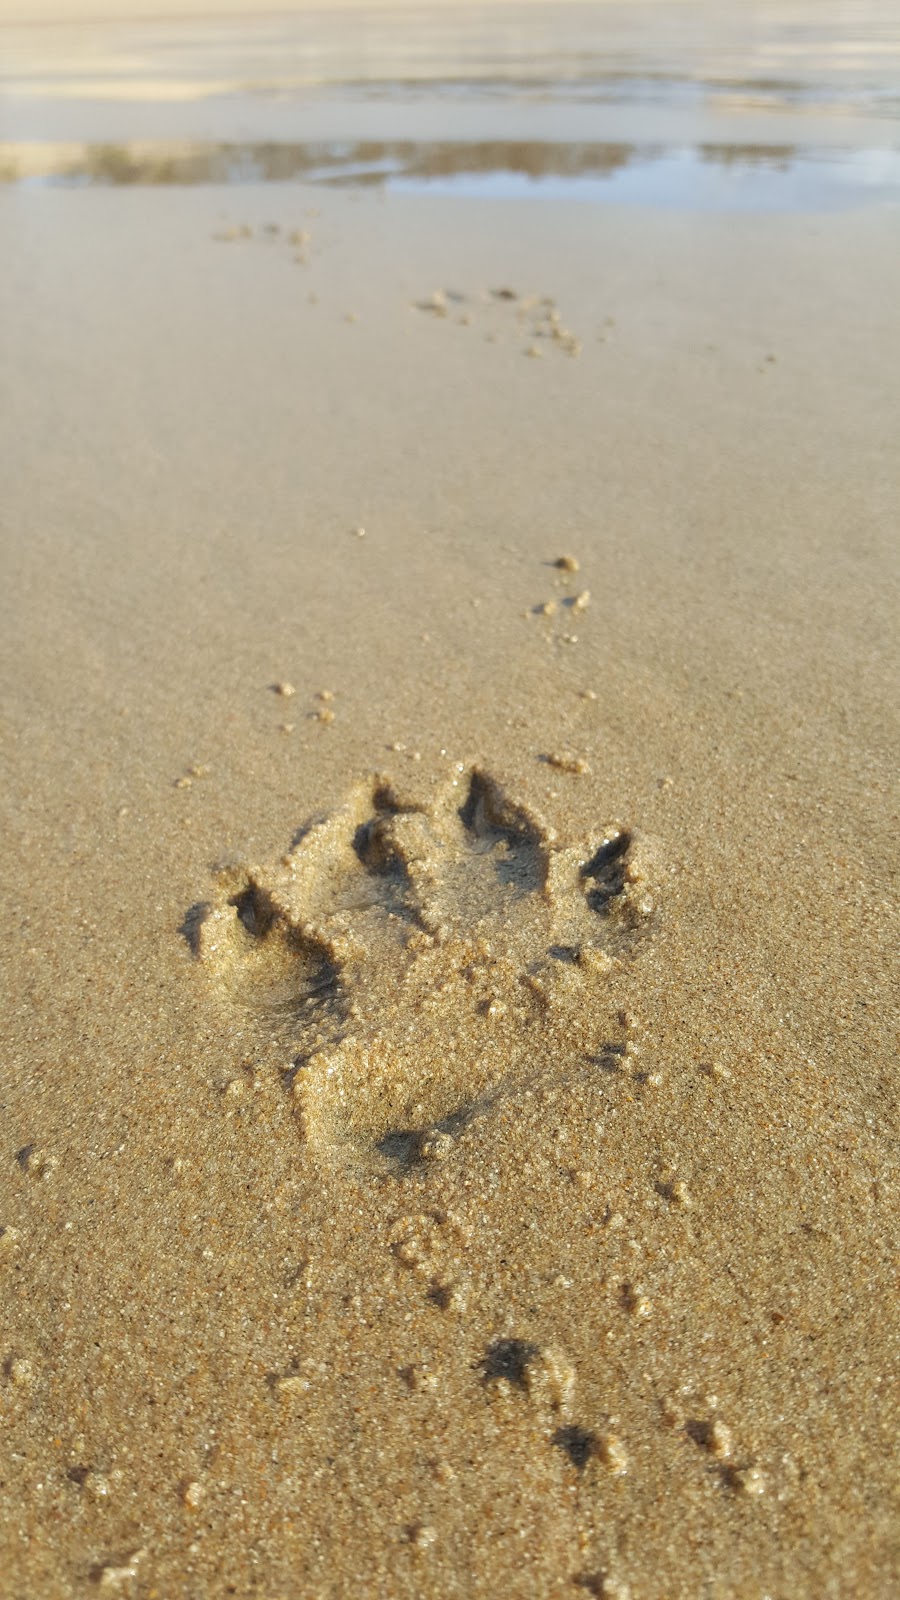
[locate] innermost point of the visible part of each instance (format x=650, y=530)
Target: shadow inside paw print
x=413, y=959
x=507, y=835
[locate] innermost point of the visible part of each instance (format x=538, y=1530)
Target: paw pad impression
x=413, y=956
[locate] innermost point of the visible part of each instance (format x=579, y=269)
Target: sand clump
x=534, y=316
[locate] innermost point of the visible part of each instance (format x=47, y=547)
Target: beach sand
x=449, y=1068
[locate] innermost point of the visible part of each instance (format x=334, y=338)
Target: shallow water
x=775, y=49
x=763, y=107
x=761, y=177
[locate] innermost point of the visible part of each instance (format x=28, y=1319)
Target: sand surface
x=449, y=1061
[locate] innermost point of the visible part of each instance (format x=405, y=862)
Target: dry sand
x=482, y=1179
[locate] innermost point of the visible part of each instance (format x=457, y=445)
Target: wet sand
x=478, y=1178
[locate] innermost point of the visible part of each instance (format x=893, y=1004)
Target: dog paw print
x=414, y=957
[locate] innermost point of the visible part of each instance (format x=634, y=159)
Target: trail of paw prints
x=533, y=318
x=415, y=959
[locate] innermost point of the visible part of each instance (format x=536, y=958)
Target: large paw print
x=415, y=958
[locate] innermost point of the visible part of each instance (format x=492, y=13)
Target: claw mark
x=509, y=1359
x=605, y=872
